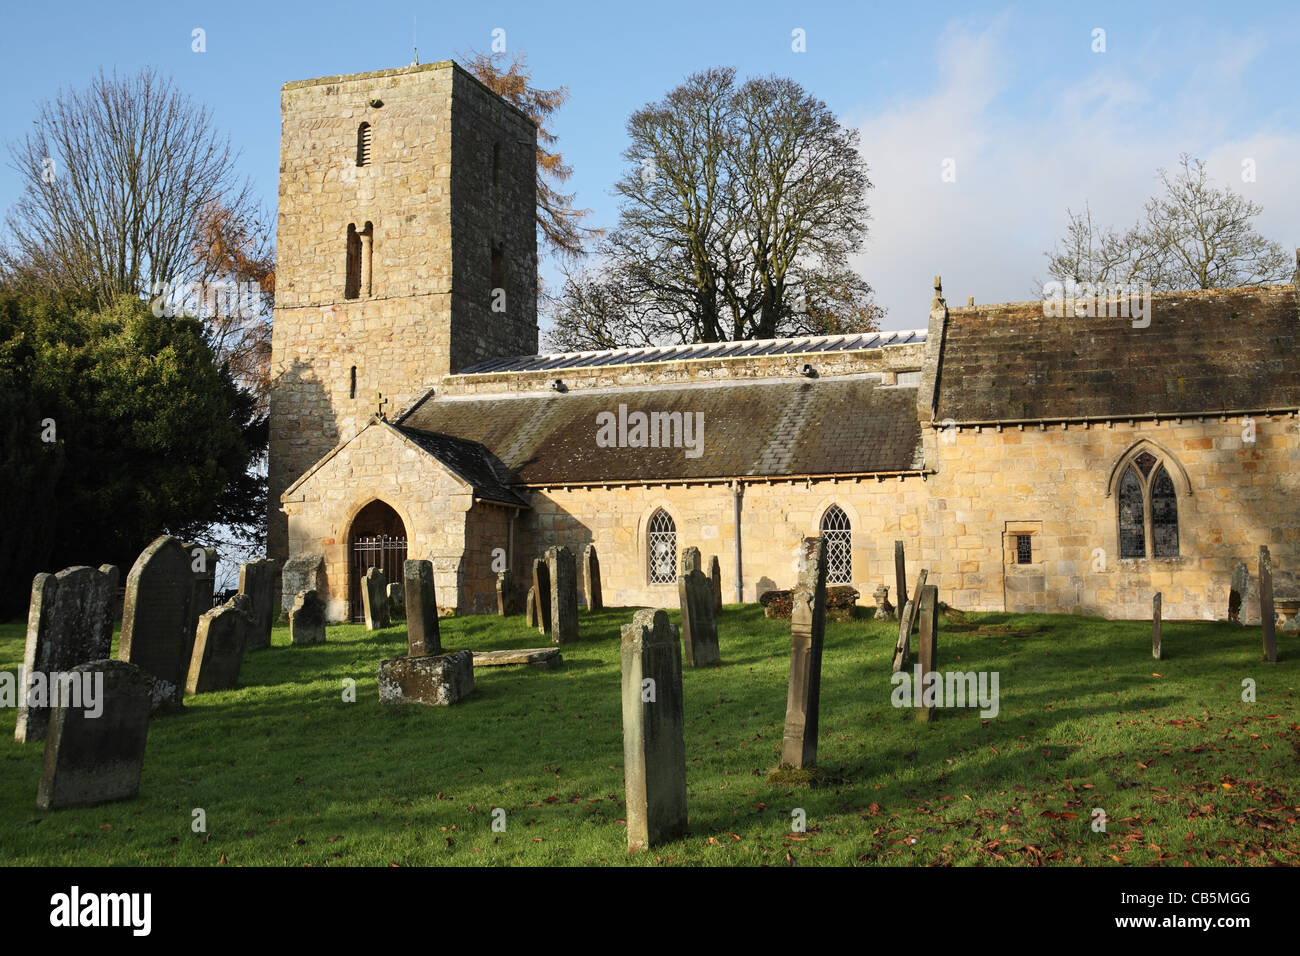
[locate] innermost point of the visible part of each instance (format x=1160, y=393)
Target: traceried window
x=661, y=542
x=1148, y=509
x=839, y=546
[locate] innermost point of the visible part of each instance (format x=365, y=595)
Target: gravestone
x=542, y=593
x=927, y=647
x=1156, y=649
x=94, y=760
x=396, y=595
x=65, y=628
x=884, y=610
x=203, y=565
x=530, y=608
x=715, y=579
x=422, y=633
x=691, y=560
x=505, y=594
x=542, y=658
x=1267, y=613
x=807, y=632
x=219, y=645
x=307, y=619
x=906, y=622
x=900, y=574
x=156, y=619
x=112, y=607
x=438, y=680
x=302, y=572
x=564, y=595
x=654, y=745
x=699, y=627
x=257, y=583
x=591, y=578
x=374, y=599
x=1237, y=592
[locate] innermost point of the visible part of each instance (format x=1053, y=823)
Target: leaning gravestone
x=654, y=746
x=906, y=622
x=927, y=649
x=112, y=582
x=156, y=619
x=422, y=634
x=219, y=646
x=307, y=619
x=807, y=633
x=591, y=578
x=302, y=572
x=542, y=590
x=396, y=601
x=1156, y=649
x=715, y=579
x=65, y=628
x=505, y=593
x=91, y=760
x=564, y=595
x=900, y=575
x=691, y=560
x=374, y=599
x=1238, y=591
x=530, y=608
x=203, y=565
x=257, y=582
x=699, y=627
x=1267, y=613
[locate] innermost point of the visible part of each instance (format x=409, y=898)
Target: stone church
x=1032, y=463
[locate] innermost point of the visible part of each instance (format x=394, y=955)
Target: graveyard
x=283, y=770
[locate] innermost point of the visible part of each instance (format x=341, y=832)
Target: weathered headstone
x=435, y=679
x=396, y=594
x=422, y=633
x=906, y=622
x=591, y=578
x=97, y=759
x=542, y=594
x=256, y=581
x=530, y=608
x=302, y=572
x=927, y=650
x=691, y=560
x=65, y=628
x=374, y=599
x=505, y=593
x=219, y=646
x=564, y=595
x=699, y=626
x=112, y=607
x=715, y=579
x=884, y=610
x=1267, y=613
x=654, y=746
x=900, y=574
x=203, y=566
x=156, y=619
x=807, y=632
x=1237, y=592
x=1156, y=649
x=307, y=619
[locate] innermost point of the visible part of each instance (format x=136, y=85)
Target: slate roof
x=471, y=461
x=703, y=350
x=1204, y=351
x=847, y=425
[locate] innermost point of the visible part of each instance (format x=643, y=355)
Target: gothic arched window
x=838, y=533
x=1148, y=507
x=661, y=546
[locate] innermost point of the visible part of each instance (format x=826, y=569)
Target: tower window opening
x=363, y=144
x=352, y=386
x=498, y=266
x=496, y=163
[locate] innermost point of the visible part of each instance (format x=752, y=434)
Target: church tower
x=406, y=250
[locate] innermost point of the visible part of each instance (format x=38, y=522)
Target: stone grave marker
x=434, y=679
x=900, y=575
x=203, y=565
x=654, y=746
x=691, y=560
x=156, y=619
x=906, y=622
x=422, y=633
x=715, y=579
x=699, y=627
x=505, y=593
x=1237, y=592
x=256, y=581
x=884, y=610
x=591, y=578
x=530, y=608
x=927, y=646
x=94, y=760
x=396, y=595
x=219, y=646
x=542, y=591
x=302, y=572
x=1156, y=650
x=807, y=632
x=374, y=599
x=307, y=619
x=1267, y=613
x=112, y=608
x=65, y=628
x=564, y=595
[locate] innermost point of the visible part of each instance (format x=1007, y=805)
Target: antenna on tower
x=414, y=38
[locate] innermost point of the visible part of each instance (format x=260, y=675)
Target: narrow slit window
x=363, y=144
x=352, y=281
x=498, y=275
x=352, y=384
x=496, y=163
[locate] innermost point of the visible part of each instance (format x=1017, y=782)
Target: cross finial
x=380, y=402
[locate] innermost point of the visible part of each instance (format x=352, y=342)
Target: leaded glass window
x=1164, y=516
x=1024, y=549
x=1132, y=533
x=661, y=541
x=1148, y=508
x=839, y=546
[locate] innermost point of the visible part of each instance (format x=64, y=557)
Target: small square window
x=909, y=378
x=1024, y=549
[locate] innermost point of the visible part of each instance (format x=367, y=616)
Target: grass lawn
x=288, y=773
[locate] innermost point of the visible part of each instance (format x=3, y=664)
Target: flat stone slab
x=544, y=658
x=435, y=679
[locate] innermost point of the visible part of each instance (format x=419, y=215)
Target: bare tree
x=116, y=179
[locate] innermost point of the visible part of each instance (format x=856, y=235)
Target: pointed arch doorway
x=377, y=539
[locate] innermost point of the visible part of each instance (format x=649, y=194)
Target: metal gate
x=385, y=552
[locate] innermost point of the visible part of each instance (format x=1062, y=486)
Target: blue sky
x=1033, y=119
